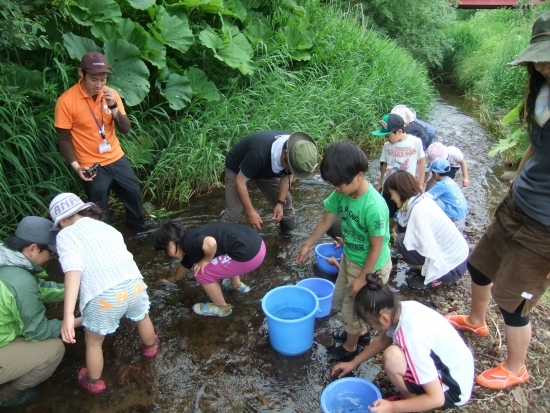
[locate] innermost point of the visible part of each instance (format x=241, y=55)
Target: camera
x=92, y=170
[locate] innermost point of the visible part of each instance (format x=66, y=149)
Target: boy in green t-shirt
x=365, y=228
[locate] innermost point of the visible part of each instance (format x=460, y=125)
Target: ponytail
x=374, y=297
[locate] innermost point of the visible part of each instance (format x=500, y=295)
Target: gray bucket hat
x=38, y=231
x=302, y=154
x=538, y=50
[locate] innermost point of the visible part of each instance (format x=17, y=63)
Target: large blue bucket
x=350, y=394
x=323, y=289
x=290, y=311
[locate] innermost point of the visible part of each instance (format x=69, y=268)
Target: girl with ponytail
x=423, y=356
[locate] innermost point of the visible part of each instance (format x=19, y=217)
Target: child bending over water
x=216, y=251
x=423, y=356
x=95, y=261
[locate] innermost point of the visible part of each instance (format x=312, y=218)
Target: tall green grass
x=355, y=77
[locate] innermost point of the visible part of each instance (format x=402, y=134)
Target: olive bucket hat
x=302, y=154
x=539, y=48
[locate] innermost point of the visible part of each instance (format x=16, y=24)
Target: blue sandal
x=212, y=309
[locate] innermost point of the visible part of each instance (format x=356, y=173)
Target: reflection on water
x=211, y=364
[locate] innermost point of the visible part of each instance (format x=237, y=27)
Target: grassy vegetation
x=354, y=77
x=480, y=48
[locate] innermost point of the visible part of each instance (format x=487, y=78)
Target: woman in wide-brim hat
x=511, y=262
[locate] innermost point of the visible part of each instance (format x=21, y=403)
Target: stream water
x=211, y=364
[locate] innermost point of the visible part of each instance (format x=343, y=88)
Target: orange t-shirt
x=73, y=111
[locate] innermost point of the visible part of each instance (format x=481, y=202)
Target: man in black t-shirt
x=269, y=158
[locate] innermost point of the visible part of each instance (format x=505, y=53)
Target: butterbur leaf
x=513, y=115
x=207, y=6
x=296, y=39
x=172, y=31
x=211, y=40
x=88, y=12
x=258, y=33
x=300, y=55
x=177, y=91
x=201, y=86
x=130, y=74
x=78, y=46
x=141, y=4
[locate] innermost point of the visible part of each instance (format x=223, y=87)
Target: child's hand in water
x=341, y=369
x=382, y=406
x=304, y=254
x=199, y=267
x=333, y=261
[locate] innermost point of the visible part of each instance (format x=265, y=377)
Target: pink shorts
x=225, y=267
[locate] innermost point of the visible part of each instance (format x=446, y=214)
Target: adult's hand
x=109, y=96
x=277, y=213
x=255, y=220
x=80, y=171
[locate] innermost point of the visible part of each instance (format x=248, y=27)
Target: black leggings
x=514, y=319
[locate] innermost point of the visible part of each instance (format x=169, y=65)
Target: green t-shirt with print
x=362, y=218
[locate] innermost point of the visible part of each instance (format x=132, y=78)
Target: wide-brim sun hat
x=538, y=50
x=302, y=154
x=65, y=205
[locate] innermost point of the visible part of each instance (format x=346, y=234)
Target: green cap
x=388, y=124
x=302, y=154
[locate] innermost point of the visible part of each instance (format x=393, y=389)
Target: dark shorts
x=453, y=171
x=514, y=253
x=414, y=388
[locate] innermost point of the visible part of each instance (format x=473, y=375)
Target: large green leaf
x=513, y=115
x=258, y=32
x=236, y=51
x=151, y=49
x=201, y=86
x=87, y=12
x=78, y=46
x=172, y=31
x=141, y=4
x=130, y=74
x=207, y=6
x=177, y=91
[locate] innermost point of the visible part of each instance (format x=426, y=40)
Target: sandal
x=342, y=335
x=84, y=382
x=340, y=353
x=459, y=323
x=499, y=378
x=151, y=351
x=212, y=309
x=243, y=288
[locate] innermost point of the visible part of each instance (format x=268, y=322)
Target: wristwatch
x=283, y=203
x=113, y=106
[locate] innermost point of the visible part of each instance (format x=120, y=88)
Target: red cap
x=94, y=62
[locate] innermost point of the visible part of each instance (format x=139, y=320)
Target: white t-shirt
x=434, y=349
x=99, y=252
x=455, y=156
x=403, y=155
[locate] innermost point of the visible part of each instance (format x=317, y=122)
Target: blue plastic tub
x=324, y=252
x=290, y=312
x=323, y=289
x=350, y=394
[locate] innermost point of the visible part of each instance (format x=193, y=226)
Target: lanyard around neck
x=101, y=127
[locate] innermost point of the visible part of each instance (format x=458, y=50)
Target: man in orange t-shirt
x=85, y=119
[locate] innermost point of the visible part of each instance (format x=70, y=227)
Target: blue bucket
x=290, y=311
x=323, y=289
x=350, y=394
x=324, y=252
